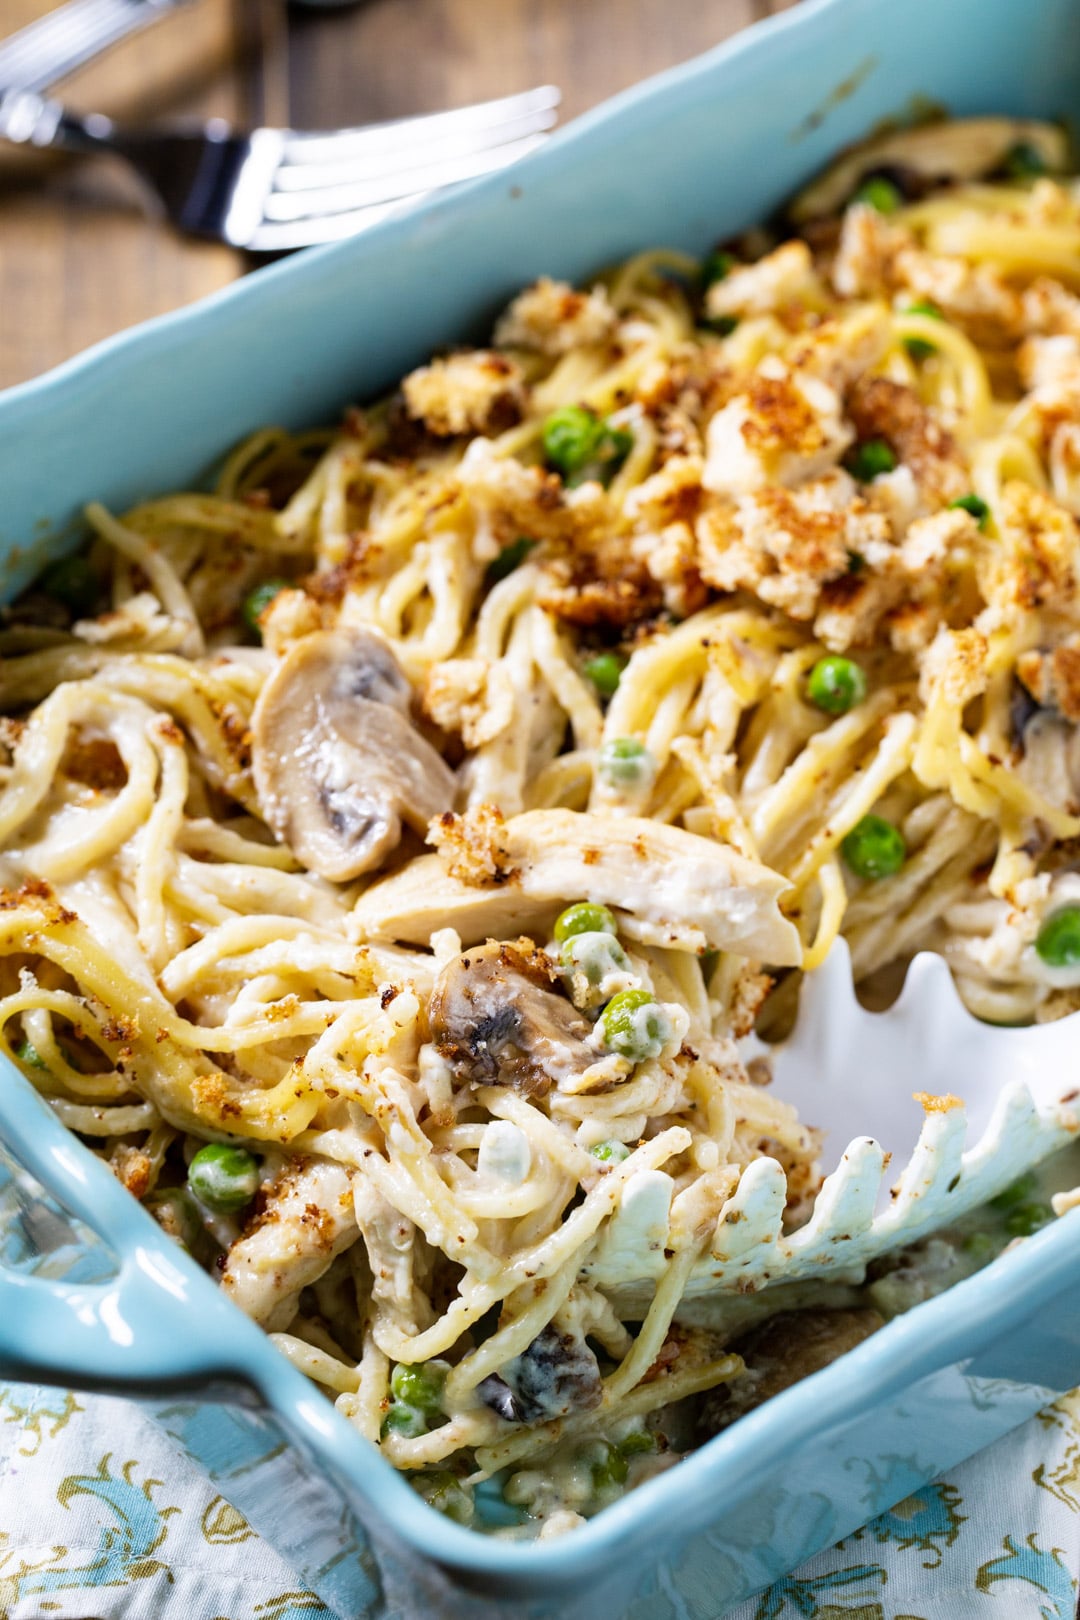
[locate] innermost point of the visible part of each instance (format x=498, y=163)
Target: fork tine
x=286, y=236
x=396, y=136
x=322, y=201
x=393, y=160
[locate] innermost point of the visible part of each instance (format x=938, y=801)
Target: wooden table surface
x=79, y=255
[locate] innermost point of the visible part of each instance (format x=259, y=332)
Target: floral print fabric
x=100, y=1515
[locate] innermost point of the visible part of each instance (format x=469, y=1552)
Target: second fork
x=274, y=190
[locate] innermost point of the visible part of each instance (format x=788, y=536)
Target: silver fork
x=273, y=190
x=69, y=36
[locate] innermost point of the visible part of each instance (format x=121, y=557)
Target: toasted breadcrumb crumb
x=288, y=616
x=785, y=428
x=784, y=276
x=552, y=318
x=471, y=845
x=475, y=392
x=470, y=696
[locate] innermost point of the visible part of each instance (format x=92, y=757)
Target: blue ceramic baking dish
x=690, y=156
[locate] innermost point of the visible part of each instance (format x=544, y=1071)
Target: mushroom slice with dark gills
x=554, y=1375
x=338, y=764
x=1050, y=763
x=931, y=154
x=1044, y=720
x=497, y=1021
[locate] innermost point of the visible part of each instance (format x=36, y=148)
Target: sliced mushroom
x=556, y=1374
x=1044, y=724
x=1051, y=675
x=496, y=1021
x=1049, y=765
x=670, y=887
x=496, y=1393
x=338, y=764
x=931, y=154
x=1022, y=709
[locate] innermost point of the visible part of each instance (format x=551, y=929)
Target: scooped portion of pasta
x=396, y=843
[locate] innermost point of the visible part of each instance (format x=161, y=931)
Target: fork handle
x=28, y=119
x=70, y=36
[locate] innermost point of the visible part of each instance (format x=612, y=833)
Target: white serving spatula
x=996, y=1101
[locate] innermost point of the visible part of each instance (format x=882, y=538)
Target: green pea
x=637, y=1444
x=1027, y=1219
x=619, y=443
x=591, y=957
x=178, y=1215
x=973, y=504
x=625, y=763
x=869, y=459
x=580, y=446
x=256, y=602
x=1024, y=162
x=1018, y=1192
x=72, y=581
x=608, y=1466
x=835, y=685
x=509, y=558
x=715, y=266
x=612, y=451
x=919, y=348
x=874, y=848
x=584, y=918
x=571, y=438
x=880, y=193
x=224, y=1178
x=407, y=1421
x=1058, y=940
x=416, y=1404
x=635, y=1025
x=610, y=1152
x=980, y=1246
x=443, y=1491
x=722, y=325
x=420, y=1386
x=27, y=1053
x=605, y=672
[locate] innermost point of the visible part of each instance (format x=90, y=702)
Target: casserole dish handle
x=95, y=1296
x=127, y=1334
x=93, y=1293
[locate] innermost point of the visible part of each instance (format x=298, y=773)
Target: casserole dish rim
x=915, y=1344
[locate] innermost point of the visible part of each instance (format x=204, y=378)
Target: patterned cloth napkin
x=101, y=1517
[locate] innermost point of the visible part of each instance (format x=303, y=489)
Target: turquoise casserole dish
x=92, y=1294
